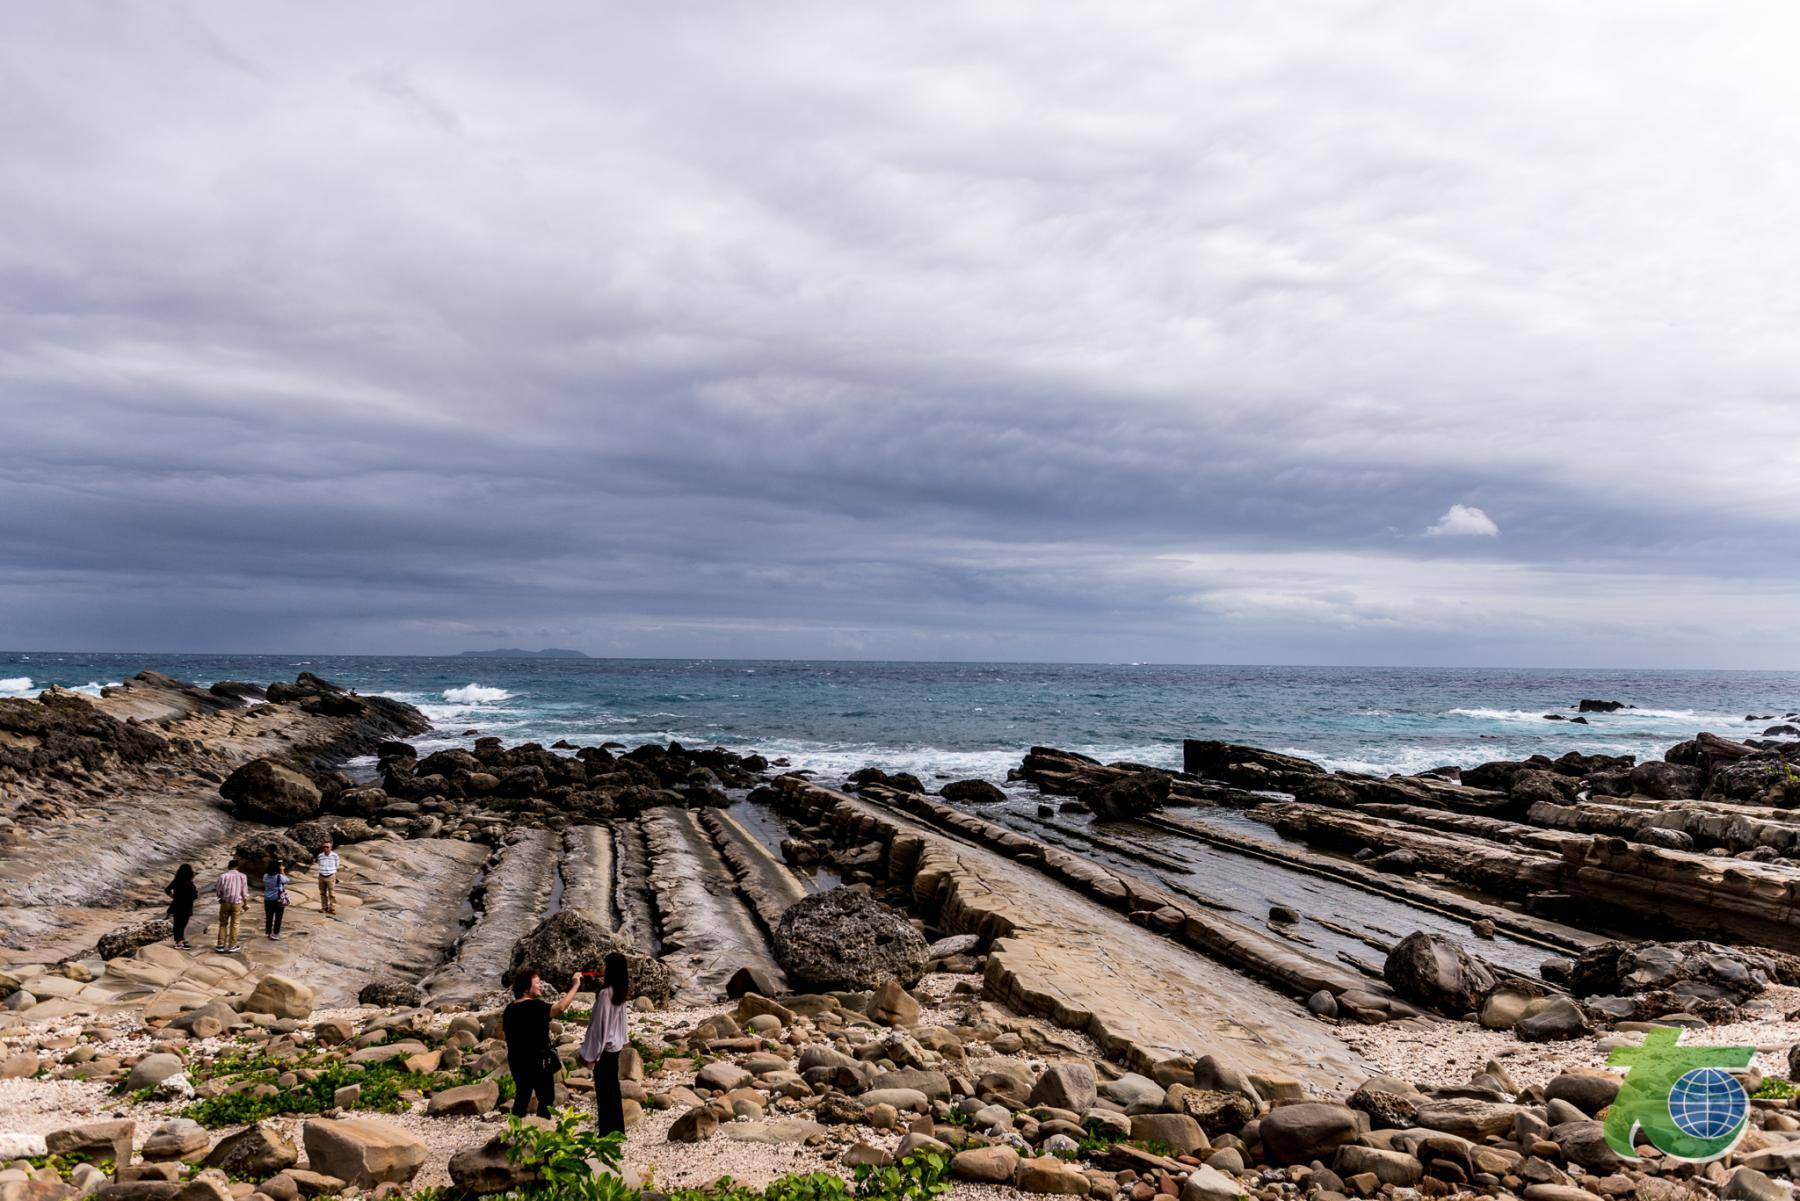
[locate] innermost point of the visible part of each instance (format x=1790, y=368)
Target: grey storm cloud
x=1371, y=333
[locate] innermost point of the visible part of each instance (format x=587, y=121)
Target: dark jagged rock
x=1129, y=797
x=1245, y=766
x=126, y=939
x=391, y=994
x=844, y=939
x=1530, y=787
x=971, y=792
x=1435, y=972
x=1593, y=706
x=339, y=831
x=1694, y=973
x=566, y=943
x=60, y=730
x=258, y=852
x=536, y=786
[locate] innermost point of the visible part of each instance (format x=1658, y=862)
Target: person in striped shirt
x=232, y=889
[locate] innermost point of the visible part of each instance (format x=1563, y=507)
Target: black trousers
x=534, y=1080
x=272, y=916
x=178, y=917
x=610, y=1108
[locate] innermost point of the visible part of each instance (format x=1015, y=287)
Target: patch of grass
x=64, y=1168
x=653, y=1058
x=382, y=1084
x=1775, y=1088
x=921, y=1176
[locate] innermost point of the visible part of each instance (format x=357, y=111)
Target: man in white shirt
x=328, y=870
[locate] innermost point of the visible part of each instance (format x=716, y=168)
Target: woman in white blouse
x=606, y=1037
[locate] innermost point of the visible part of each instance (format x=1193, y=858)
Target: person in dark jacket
x=181, y=892
x=526, y=1024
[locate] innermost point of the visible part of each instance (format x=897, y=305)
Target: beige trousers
x=228, y=922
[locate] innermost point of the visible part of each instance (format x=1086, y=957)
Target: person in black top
x=526, y=1023
x=181, y=892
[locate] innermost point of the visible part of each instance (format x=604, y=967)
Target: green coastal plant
x=559, y=1156
x=921, y=1176
x=380, y=1089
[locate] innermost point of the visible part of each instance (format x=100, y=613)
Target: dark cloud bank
x=1381, y=333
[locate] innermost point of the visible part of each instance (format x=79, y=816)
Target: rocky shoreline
x=848, y=975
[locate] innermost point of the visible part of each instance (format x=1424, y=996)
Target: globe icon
x=1708, y=1103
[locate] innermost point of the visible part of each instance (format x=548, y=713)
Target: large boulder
x=1129, y=796
x=267, y=791
x=280, y=996
x=972, y=792
x=392, y=994
x=566, y=943
x=362, y=1152
x=126, y=939
x=1433, y=971
x=1559, y=1020
x=177, y=1138
x=486, y=1168
x=845, y=939
x=1065, y=1085
x=1297, y=1133
x=1665, y=781
x=105, y=1142
x=257, y=853
x=152, y=1070
x=467, y=1100
x=254, y=1152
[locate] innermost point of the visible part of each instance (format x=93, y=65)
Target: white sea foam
x=1535, y=715
x=937, y=763
x=93, y=687
x=475, y=694
x=15, y=686
x=1662, y=720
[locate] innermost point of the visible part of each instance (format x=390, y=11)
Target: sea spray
x=476, y=694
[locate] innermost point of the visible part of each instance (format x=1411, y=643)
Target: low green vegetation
x=1774, y=1089
x=561, y=1156
x=64, y=1168
x=381, y=1087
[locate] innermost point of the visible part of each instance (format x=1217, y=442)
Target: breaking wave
x=475, y=694
x=15, y=686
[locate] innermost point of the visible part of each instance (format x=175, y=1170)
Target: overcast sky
x=1338, y=333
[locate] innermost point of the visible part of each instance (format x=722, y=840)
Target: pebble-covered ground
x=1448, y=1053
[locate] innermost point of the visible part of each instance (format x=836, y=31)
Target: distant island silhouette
x=514, y=653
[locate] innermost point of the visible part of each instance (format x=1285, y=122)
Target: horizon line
x=590, y=658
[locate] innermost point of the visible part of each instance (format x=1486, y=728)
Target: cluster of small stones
x=1005, y=1102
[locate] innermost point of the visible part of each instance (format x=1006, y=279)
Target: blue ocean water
x=977, y=719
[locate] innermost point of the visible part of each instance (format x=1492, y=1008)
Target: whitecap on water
x=15, y=686
x=475, y=694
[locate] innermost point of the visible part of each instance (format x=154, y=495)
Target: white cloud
x=1463, y=521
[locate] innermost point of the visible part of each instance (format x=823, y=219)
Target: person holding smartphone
x=529, y=1055
x=606, y=1037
